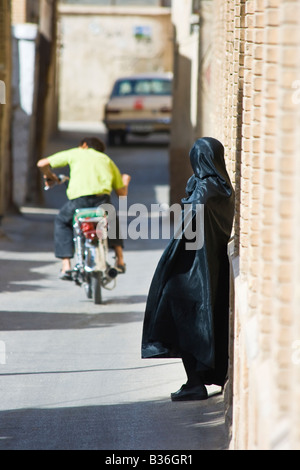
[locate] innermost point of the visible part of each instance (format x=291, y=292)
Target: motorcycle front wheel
x=96, y=287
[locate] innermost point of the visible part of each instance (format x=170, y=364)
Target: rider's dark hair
x=94, y=143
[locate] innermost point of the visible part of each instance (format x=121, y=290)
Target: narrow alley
x=73, y=377
x=71, y=373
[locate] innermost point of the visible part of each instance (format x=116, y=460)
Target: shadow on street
x=73, y=377
x=93, y=427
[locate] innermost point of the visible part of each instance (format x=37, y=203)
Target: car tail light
x=89, y=230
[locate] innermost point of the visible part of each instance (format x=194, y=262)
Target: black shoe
x=66, y=276
x=186, y=393
x=121, y=268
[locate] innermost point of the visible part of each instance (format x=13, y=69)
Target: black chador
x=187, y=308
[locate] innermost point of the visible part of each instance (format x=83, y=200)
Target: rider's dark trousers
x=63, y=227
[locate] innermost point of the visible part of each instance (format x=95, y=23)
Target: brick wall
x=18, y=11
x=256, y=113
x=25, y=11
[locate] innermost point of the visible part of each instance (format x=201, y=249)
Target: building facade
x=33, y=97
x=253, y=107
x=5, y=108
x=257, y=116
x=108, y=39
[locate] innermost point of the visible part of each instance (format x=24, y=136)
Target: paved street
x=71, y=376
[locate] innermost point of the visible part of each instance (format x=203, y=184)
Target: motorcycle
x=92, y=269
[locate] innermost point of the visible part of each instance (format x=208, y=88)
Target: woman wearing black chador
x=188, y=303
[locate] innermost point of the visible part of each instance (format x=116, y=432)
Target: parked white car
x=139, y=104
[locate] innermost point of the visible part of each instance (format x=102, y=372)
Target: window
x=142, y=87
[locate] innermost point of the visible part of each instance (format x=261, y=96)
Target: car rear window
x=142, y=87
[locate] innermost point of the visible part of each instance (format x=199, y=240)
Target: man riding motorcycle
x=93, y=177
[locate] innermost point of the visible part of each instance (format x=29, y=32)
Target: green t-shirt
x=91, y=172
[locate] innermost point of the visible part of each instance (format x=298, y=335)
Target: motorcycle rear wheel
x=96, y=287
x=88, y=287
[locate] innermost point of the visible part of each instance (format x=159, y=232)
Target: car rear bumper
x=139, y=127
